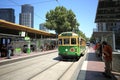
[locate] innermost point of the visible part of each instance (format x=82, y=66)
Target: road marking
x=82, y=74
x=84, y=66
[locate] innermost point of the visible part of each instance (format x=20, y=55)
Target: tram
x=70, y=45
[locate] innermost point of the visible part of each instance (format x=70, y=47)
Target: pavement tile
x=95, y=68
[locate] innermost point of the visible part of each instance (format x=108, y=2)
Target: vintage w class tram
x=70, y=45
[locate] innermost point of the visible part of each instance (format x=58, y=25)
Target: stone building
x=108, y=22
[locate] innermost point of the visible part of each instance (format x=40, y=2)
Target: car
x=88, y=44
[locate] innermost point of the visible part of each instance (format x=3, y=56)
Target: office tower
x=7, y=14
x=42, y=27
x=27, y=15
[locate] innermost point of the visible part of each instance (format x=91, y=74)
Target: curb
x=8, y=61
x=73, y=72
x=79, y=66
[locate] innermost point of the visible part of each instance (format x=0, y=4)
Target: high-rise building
x=42, y=27
x=27, y=15
x=7, y=14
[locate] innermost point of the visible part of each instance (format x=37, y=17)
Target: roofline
x=7, y=24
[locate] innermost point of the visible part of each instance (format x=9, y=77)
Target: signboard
x=27, y=38
x=22, y=34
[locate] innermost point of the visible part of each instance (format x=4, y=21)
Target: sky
x=85, y=11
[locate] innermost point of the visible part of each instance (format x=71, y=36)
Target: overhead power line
x=20, y=5
x=14, y=3
x=42, y=2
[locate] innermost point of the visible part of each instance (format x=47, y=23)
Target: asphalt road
x=45, y=67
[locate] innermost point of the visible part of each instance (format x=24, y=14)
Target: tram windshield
x=66, y=41
x=73, y=40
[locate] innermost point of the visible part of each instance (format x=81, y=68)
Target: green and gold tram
x=70, y=45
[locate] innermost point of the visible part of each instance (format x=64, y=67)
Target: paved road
x=25, y=69
x=45, y=67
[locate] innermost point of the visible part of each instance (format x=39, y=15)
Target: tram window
x=60, y=41
x=73, y=40
x=66, y=41
x=81, y=42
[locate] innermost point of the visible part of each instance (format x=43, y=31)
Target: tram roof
x=68, y=34
x=10, y=25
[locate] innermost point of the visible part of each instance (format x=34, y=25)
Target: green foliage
x=61, y=20
x=80, y=33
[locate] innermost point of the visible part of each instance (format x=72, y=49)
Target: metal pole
x=114, y=41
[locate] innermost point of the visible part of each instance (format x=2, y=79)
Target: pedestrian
x=9, y=50
x=107, y=56
x=97, y=49
x=0, y=50
x=3, y=51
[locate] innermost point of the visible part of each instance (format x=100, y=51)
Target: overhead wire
x=42, y=2
x=34, y=4
x=14, y=2
x=30, y=3
x=58, y=2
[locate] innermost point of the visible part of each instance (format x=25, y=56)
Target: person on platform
x=107, y=57
x=97, y=49
x=9, y=50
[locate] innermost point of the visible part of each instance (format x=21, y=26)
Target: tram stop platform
x=93, y=68
x=22, y=56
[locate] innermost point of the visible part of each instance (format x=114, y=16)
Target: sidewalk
x=93, y=68
x=23, y=56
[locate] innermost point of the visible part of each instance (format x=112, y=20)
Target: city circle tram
x=70, y=45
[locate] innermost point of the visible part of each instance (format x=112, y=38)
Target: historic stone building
x=108, y=22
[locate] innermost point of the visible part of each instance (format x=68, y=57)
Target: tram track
x=20, y=62
x=13, y=70
x=44, y=70
x=51, y=67
x=16, y=68
x=66, y=70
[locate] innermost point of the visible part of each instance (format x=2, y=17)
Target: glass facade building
x=7, y=14
x=27, y=15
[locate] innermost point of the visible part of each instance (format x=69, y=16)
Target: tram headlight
x=66, y=50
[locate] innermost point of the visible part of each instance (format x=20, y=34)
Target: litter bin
x=116, y=62
x=28, y=50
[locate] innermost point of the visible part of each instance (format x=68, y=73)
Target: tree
x=80, y=33
x=61, y=20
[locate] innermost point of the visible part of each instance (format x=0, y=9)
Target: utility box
x=116, y=61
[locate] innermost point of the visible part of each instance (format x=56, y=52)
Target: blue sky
x=85, y=11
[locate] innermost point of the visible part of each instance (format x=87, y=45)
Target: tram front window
x=73, y=40
x=66, y=41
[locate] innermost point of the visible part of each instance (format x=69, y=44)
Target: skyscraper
x=7, y=14
x=27, y=15
x=42, y=27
